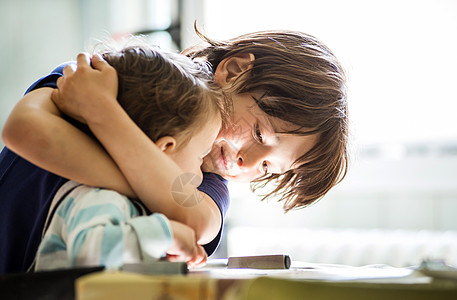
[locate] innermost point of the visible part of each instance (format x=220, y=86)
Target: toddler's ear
x=231, y=67
x=166, y=144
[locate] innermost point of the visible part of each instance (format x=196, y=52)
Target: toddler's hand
x=185, y=247
x=83, y=91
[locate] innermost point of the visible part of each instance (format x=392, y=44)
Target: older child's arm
x=68, y=152
x=36, y=131
x=149, y=171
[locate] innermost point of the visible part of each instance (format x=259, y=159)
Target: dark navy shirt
x=26, y=192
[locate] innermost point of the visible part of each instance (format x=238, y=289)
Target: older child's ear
x=166, y=144
x=231, y=67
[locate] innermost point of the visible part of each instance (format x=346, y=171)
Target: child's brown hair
x=165, y=93
x=302, y=83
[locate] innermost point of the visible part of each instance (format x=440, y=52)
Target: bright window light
x=399, y=57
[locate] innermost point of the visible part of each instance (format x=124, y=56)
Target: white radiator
x=355, y=247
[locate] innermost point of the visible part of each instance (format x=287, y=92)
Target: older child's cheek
x=237, y=134
x=223, y=133
x=211, y=161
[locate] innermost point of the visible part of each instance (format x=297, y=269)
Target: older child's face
x=190, y=157
x=252, y=148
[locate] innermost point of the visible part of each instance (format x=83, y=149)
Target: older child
x=289, y=119
x=171, y=99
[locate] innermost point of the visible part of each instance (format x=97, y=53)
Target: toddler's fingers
x=198, y=260
x=83, y=60
x=68, y=70
x=99, y=63
x=170, y=257
x=59, y=82
x=178, y=257
x=55, y=95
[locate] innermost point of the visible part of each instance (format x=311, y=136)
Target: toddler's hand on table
x=84, y=89
x=185, y=247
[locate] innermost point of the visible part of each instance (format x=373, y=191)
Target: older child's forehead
x=299, y=145
x=289, y=147
x=275, y=124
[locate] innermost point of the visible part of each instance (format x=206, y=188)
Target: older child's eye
x=258, y=134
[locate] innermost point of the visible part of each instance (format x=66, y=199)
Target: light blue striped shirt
x=93, y=226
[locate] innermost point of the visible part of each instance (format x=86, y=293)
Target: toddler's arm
x=184, y=246
x=101, y=227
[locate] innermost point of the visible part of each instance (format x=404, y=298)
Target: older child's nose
x=251, y=157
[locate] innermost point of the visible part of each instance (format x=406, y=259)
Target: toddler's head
x=172, y=99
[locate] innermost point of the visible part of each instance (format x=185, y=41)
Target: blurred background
x=398, y=203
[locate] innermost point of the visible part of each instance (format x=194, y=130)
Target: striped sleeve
x=101, y=227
